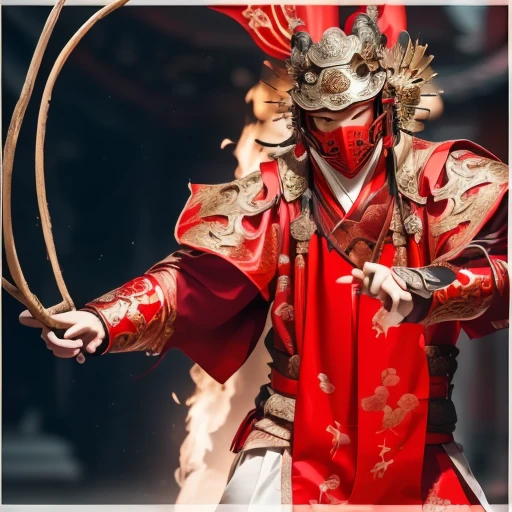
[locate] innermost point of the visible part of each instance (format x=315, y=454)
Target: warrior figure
x=371, y=247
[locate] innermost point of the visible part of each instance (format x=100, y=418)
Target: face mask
x=345, y=149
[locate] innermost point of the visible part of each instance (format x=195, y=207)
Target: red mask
x=345, y=149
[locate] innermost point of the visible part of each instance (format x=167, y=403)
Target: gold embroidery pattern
x=294, y=185
x=286, y=478
x=325, y=383
x=257, y=18
x=280, y=407
x=234, y=201
x=282, y=431
x=381, y=467
x=338, y=438
x=399, y=240
x=414, y=226
x=434, y=503
x=470, y=209
x=285, y=311
x=410, y=166
x=392, y=417
x=461, y=301
x=130, y=330
x=303, y=227
x=283, y=283
x=126, y=303
x=260, y=439
x=294, y=366
x=284, y=259
x=332, y=483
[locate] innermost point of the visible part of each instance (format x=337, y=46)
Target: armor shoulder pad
x=237, y=222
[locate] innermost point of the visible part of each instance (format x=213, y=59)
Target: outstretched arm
x=194, y=301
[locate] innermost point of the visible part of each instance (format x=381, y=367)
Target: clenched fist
x=84, y=331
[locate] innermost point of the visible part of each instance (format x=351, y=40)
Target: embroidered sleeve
x=140, y=315
x=193, y=301
x=468, y=232
x=469, y=296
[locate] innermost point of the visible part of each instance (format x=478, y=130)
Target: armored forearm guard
x=448, y=293
x=138, y=316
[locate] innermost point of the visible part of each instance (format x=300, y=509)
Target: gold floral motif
x=284, y=259
x=396, y=221
x=381, y=467
x=393, y=417
x=331, y=484
x=285, y=311
x=378, y=402
x=127, y=304
x=338, y=438
x=389, y=377
x=325, y=384
x=302, y=248
x=129, y=328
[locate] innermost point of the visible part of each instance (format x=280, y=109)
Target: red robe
x=360, y=432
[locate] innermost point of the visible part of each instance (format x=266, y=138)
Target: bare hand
x=378, y=281
x=84, y=330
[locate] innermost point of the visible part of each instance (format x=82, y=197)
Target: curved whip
x=21, y=291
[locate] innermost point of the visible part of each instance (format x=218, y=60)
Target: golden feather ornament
x=409, y=76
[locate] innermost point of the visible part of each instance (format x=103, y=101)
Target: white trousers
x=255, y=481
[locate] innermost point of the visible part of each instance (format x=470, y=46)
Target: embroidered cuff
x=137, y=316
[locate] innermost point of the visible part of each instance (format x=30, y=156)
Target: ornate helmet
x=339, y=70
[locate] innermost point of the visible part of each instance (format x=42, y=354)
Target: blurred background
x=140, y=109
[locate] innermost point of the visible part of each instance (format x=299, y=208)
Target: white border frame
x=154, y=3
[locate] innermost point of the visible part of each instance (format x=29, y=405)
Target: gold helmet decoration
x=341, y=70
x=409, y=76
